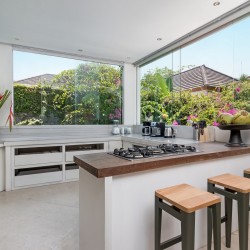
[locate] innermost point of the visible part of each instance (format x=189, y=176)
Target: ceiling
x=114, y=30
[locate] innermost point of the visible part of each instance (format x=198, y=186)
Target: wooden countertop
x=104, y=165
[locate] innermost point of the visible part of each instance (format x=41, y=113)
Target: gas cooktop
x=138, y=152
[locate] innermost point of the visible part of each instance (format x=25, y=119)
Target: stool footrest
x=170, y=242
x=226, y=193
x=223, y=219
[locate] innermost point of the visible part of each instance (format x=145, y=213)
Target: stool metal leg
x=210, y=188
x=188, y=231
x=243, y=218
x=228, y=222
x=158, y=218
x=209, y=228
x=217, y=226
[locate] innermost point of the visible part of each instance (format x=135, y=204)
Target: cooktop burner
x=138, y=152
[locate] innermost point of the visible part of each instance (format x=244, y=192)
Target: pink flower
x=216, y=123
x=175, y=122
x=232, y=111
x=190, y=117
x=237, y=89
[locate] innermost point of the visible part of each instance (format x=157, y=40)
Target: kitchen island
x=117, y=195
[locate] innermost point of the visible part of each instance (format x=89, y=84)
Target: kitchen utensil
x=146, y=130
x=157, y=129
x=169, y=132
x=115, y=129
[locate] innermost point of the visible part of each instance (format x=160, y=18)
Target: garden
x=160, y=103
x=89, y=94
x=92, y=94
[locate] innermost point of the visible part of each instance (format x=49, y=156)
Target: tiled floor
x=46, y=218
x=234, y=244
x=41, y=218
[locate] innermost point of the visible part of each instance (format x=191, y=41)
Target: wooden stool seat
x=247, y=173
x=233, y=182
x=237, y=188
x=187, y=198
x=182, y=201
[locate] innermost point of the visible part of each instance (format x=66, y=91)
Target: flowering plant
x=3, y=98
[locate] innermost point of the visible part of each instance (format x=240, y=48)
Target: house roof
x=32, y=81
x=201, y=76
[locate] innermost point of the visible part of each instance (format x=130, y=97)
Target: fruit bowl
x=234, y=127
x=235, y=135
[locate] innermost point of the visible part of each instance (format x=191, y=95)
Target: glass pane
x=52, y=90
x=156, y=85
x=210, y=77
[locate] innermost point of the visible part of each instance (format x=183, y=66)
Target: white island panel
x=131, y=211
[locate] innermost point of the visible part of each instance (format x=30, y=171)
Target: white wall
x=129, y=94
x=2, y=169
x=6, y=78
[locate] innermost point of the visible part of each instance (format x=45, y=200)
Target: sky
x=227, y=51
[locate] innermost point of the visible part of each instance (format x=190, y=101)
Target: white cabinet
x=42, y=175
x=35, y=165
x=113, y=145
x=38, y=155
x=71, y=172
x=127, y=144
x=86, y=148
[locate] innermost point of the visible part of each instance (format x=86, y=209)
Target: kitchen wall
x=6, y=78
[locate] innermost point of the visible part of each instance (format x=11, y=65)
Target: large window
x=200, y=79
x=51, y=90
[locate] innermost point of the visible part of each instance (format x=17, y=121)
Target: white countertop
x=56, y=139
x=134, y=138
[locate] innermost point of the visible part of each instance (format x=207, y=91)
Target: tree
x=89, y=94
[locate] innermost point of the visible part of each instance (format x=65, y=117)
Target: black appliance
x=139, y=152
x=157, y=129
x=146, y=129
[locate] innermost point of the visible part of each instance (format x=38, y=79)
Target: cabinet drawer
x=70, y=155
x=72, y=174
x=42, y=178
x=32, y=159
x=71, y=171
x=38, y=155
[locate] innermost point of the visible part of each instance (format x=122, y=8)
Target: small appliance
x=115, y=129
x=146, y=129
x=169, y=132
x=157, y=129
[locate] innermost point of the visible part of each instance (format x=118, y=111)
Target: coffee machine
x=146, y=129
x=157, y=129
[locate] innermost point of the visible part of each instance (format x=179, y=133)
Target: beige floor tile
x=40, y=218
x=234, y=243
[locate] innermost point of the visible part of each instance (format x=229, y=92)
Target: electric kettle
x=169, y=132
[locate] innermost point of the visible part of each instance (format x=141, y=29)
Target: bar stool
x=235, y=188
x=247, y=173
x=184, y=201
